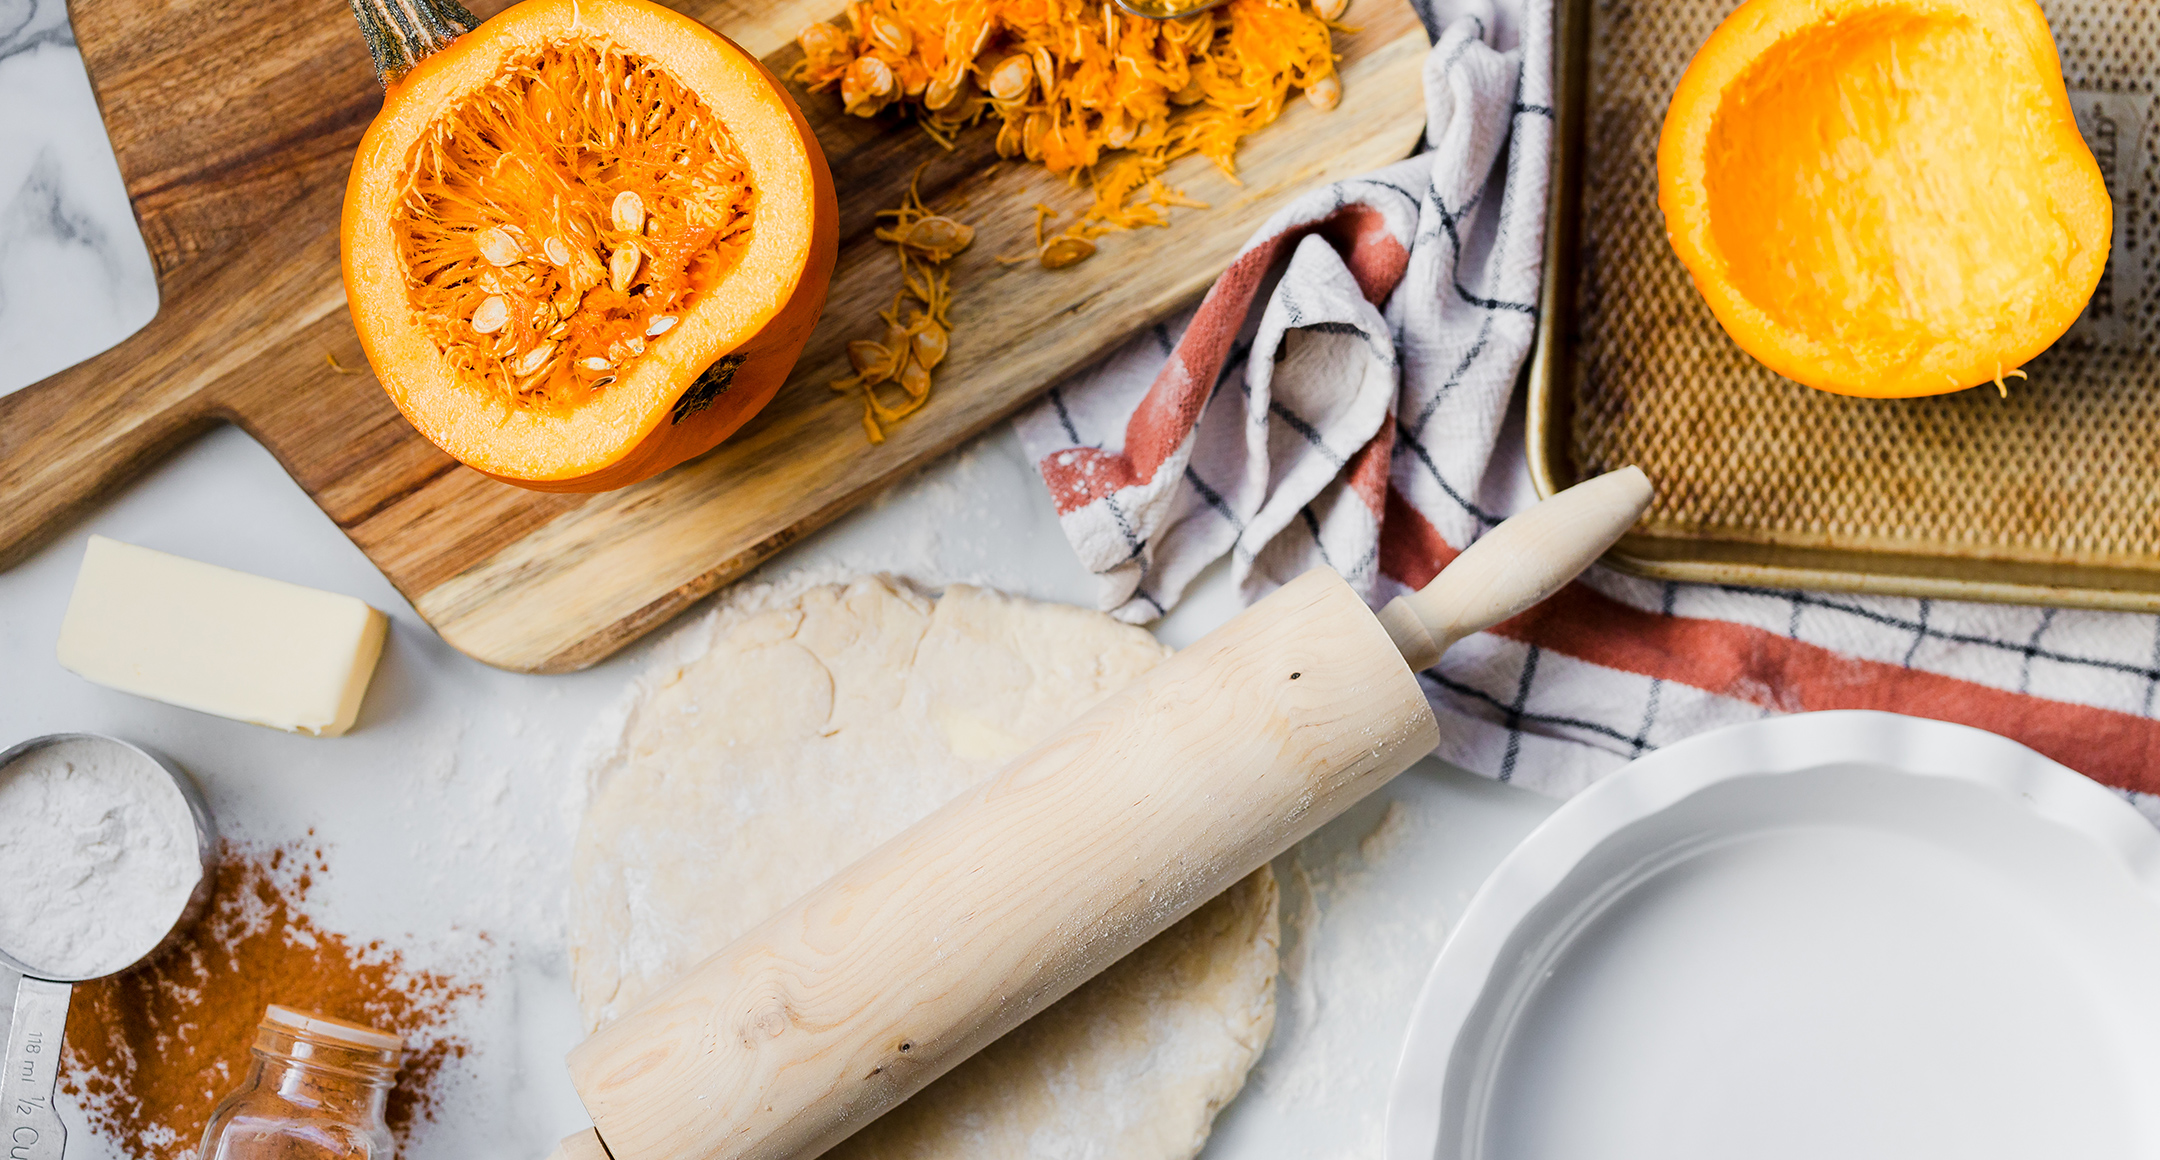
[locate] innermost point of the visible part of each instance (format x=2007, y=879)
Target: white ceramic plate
x=1835, y=936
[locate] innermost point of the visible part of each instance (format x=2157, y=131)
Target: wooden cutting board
x=235, y=123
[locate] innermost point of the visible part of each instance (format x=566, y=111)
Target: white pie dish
x=1830, y=934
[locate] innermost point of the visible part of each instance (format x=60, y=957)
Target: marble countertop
x=75, y=277
x=447, y=816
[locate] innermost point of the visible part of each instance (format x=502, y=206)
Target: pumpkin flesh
x=510, y=304
x=1884, y=199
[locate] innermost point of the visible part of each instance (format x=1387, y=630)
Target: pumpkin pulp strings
x=564, y=216
x=1082, y=87
x=913, y=346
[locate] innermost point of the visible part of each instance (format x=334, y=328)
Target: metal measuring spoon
x=35, y=1026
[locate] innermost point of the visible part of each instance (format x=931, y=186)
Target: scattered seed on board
x=937, y=238
x=1330, y=9
x=491, y=315
x=628, y=211
x=557, y=251
x=822, y=39
x=1325, y=93
x=929, y=344
x=944, y=92
x=623, y=266
x=914, y=378
x=1065, y=250
x=891, y=33
x=867, y=87
x=872, y=360
x=497, y=246
x=1013, y=78
x=661, y=324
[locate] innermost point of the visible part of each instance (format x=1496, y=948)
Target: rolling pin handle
x=1530, y=556
x=585, y=1145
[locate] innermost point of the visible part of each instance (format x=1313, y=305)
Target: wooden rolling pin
x=997, y=905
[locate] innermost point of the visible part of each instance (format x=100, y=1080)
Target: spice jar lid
x=326, y=1027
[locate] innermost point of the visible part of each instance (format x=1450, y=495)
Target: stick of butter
x=219, y=641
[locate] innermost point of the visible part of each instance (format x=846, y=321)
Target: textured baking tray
x=2049, y=496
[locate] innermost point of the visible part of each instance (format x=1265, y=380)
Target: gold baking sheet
x=2049, y=496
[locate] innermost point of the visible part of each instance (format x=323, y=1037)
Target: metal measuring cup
x=35, y=1024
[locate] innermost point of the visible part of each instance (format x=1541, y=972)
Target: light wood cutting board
x=235, y=123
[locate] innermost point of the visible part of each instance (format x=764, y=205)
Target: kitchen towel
x=1338, y=398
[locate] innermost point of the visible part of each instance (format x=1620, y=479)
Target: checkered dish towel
x=1348, y=417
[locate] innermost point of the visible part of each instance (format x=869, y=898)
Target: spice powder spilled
x=151, y=1052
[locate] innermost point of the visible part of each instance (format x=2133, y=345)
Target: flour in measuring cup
x=97, y=857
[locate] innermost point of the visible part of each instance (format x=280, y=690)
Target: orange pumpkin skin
x=722, y=362
x=1885, y=198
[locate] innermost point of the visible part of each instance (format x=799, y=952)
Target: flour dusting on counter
x=1351, y=962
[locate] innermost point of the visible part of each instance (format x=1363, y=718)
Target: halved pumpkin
x=583, y=241
x=1884, y=197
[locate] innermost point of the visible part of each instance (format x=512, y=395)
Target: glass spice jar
x=314, y=1092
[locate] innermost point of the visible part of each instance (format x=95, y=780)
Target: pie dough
x=816, y=724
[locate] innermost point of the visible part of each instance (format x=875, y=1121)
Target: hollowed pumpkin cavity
x=564, y=217
x=585, y=240
x=1884, y=198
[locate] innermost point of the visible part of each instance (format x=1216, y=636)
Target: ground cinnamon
x=151, y=1052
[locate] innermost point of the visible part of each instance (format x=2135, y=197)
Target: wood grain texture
x=234, y=122
x=1000, y=903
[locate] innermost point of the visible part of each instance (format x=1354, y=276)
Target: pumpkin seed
x=533, y=360
x=491, y=315
x=661, y=324
x=623, y=266
x=938, y=238
x=821, y=40
x=891, y=33
x=944, y=92
x=1330, y=9
x=1032, y=134
x=1012, y=79
x=557, y=251
x=867, y=86
x=928, y=345
x=1066, y=250
x=914, y=378
x=1325, y=93
x=871, y=360
x=596, y=363
x=497, y=246
x=628, y=211
x=1046, y=68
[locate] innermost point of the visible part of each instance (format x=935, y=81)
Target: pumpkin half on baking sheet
x=1884, y=197
x=583, y=241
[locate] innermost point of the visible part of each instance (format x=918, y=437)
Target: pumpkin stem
x=402, y=33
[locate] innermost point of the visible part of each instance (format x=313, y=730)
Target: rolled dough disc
x=818, y=724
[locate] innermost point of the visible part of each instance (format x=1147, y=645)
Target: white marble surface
x=75, y=277
x=447, y=815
